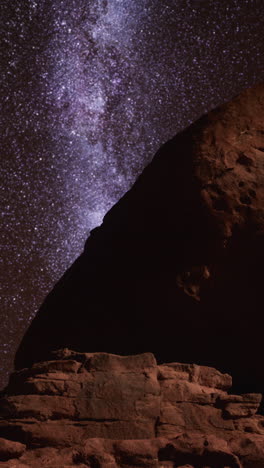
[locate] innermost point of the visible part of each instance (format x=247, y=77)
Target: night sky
x=90, y=90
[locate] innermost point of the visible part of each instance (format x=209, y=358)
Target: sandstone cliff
x=107, y=411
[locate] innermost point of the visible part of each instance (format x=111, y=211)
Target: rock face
x=177, y=266
x=100, y=410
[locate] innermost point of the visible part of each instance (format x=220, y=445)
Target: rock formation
x=100, y=410
x=176, y=267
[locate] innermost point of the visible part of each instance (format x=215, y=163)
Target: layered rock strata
x=100, y=410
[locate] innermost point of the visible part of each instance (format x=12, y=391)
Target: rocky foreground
x=101, y=410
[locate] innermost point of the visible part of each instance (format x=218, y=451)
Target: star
x=90, y=90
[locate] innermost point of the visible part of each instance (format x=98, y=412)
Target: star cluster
x=89, y=91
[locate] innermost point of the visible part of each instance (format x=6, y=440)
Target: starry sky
x=90, y=90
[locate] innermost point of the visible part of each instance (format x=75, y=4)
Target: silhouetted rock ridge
x=176, y=268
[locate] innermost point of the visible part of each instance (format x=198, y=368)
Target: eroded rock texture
x=177, y=266
x=107, y=411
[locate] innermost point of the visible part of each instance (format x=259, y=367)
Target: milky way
x=90, y=89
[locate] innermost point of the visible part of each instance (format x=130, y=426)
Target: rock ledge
x=104, y=410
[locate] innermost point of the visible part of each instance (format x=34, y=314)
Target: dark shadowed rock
x=10, y=449
x=177, y=266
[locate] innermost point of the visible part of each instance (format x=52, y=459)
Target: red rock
x=203, y=375
x=123, y=411
x=108, y=362
x=10, y=449
x=240, y=406
x=250, y=449
x=41, y=407
x=55, y=366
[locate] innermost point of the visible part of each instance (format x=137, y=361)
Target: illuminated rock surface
x=102, y=410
